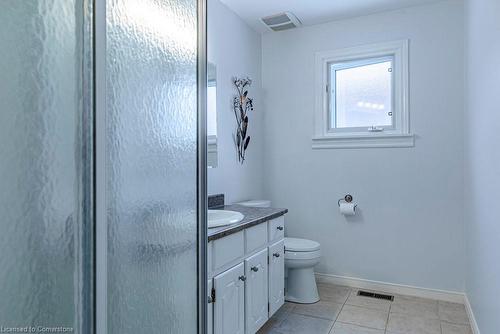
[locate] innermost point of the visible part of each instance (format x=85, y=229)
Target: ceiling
x=313, y=11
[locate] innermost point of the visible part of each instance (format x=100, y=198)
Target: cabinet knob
x=256, y=269
x=242, y=278
x=276, y=254
x=280, y=228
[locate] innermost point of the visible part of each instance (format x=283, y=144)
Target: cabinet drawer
x=255, y=237
x=228, y=249
x=276, y=228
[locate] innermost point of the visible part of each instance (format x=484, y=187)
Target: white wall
x=410, y=226
x=482, y=192
x=236, y=50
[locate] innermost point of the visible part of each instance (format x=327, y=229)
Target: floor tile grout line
x=454, y=323
x=358, y=325
x=388, y=315
x=314, y=316
x=351, y=290
x=338, y=314
x=337, y=317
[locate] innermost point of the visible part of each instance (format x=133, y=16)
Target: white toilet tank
x=256, y=203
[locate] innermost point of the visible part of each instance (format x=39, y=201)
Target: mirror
x=212, y=115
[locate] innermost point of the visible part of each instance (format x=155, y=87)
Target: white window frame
x=397, y=135
x=332, y=112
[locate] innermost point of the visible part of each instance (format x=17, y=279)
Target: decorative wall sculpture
x=242, y=104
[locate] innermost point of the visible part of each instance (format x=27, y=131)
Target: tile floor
x=341, y=311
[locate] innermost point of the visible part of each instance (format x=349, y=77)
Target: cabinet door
x=276, y=276
x=256, y=292
x=229, y=306
x=210, y=309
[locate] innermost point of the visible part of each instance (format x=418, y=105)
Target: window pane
x=363, y=96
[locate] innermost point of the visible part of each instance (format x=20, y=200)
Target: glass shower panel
x=43, y=203
x=151, y=166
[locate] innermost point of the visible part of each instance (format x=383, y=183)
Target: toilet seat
x=290, y=255
x=301, y=245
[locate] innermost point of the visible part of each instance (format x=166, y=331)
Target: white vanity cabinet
x=246, y=271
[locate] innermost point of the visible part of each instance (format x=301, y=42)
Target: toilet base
x=301, y=286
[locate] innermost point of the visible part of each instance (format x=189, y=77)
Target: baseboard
x=472, y=318
x=391, y=288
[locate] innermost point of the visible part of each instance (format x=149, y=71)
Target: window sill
x=363, y=141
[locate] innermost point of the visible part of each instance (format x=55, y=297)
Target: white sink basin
x=218, y=218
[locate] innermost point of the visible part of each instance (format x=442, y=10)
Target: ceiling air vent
x=282, y=21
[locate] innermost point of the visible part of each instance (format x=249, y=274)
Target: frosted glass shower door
x=45, y=166
x=151, y=166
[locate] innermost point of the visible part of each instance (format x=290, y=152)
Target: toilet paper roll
x=347, y=209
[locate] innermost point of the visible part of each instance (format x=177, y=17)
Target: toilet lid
x=301, y=245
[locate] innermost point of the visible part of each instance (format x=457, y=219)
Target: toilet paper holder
x=347, y=198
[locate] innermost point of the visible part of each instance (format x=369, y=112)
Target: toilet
x=301, y=255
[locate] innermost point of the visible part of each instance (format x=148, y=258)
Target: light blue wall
x=236, y=50
x=482, y=193
x=410, y=228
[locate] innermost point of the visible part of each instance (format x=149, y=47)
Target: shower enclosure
x=102, y=170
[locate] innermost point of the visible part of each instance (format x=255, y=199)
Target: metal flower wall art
x=242, y=104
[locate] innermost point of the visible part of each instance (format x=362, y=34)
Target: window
x=361, y=94
x=361, y=97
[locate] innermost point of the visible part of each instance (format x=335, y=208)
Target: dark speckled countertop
x=253, y=216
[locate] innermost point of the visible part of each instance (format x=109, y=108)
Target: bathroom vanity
x=246, y=270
